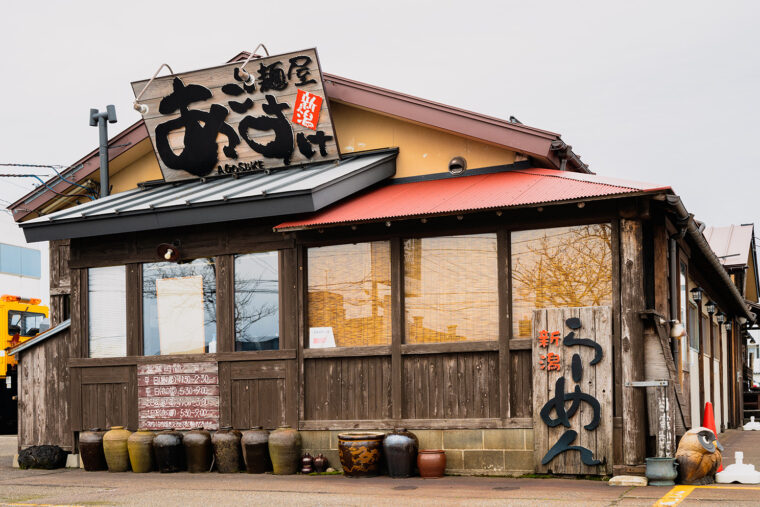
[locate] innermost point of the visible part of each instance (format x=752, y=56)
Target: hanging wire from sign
x=44, y=183
x=142, y=108
x=53, y=167
x=247, y=77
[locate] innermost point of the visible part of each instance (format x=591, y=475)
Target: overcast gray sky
x=665, y=92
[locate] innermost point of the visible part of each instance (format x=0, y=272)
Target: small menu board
x=178, y=395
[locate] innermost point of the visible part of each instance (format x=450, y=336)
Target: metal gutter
x=692, y=229
x=41, y=337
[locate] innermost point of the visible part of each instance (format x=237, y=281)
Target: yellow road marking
x=679, y=493
x=675, y=496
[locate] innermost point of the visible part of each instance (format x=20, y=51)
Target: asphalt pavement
x=77, y=487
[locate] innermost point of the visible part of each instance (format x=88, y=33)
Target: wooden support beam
x=632, y=341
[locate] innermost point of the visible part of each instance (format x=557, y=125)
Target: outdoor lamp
x=696, y=294
x=728, y=326
x=721, y=317
x=710, y=307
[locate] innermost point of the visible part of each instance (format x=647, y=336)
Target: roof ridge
x=565, y=175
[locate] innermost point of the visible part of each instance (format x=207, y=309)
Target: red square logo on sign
x=306, y=110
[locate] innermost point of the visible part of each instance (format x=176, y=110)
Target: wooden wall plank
x=632, y=344
x=505, y=322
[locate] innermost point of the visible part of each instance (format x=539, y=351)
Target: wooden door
x=103, y=397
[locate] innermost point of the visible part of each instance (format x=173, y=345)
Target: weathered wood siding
x=43, y=405
x=451, y=386
x=104, y=397
x=348, y=388
x=258, y=394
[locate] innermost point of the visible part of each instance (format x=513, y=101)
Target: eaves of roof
x=530, y=141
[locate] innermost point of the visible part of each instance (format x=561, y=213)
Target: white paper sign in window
x=321, y=338
x=106, y=311
x=180, y=315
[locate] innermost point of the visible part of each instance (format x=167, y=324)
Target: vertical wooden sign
x=572, y=431
x=178, y=395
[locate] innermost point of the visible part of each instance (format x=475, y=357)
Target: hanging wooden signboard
x=178, y=395
x=572, y=390
x=214, y=121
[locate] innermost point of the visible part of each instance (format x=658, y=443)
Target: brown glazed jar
x=361, y=453
x=91, y=450
x=140, y=447
x=320, y=463
x=227, y=453
x=432, y=463
x=255, y=444
x=400, y=449
x=198, y=451
x=285, y=450
x=168, y=450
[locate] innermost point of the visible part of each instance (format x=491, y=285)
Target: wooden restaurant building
x=400, y=263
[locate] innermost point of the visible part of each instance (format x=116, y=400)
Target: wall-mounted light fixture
x=721, y=317
x=710, y=307
x=696, y=294
x=728, y=326
x=169, y=252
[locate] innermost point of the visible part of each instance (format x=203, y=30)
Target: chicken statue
x=698, y=456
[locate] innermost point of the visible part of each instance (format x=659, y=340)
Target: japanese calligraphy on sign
x=572, y=390
x=178, y=395
x=213, y=121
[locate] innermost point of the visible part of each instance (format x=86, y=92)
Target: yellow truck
x=21, y=319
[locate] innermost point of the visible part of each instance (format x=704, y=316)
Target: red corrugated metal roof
x=467, y=193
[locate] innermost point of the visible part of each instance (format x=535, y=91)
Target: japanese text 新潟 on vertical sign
x=213, y=121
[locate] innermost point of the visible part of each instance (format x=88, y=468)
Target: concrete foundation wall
x=468, y=452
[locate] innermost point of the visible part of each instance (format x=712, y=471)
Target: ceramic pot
x=198, y=451
x=168, y=450
x=661, y=471
x=320, y=463
x=361, y=453
x=400, y=449
x=255, y=445
x=227, y=453
x=307, y=464
x=285, y=450
x=140, y=447
x=431, y=463
x=115, y=449
x=91, y=450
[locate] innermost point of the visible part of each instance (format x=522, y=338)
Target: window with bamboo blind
x=559, y=267
x=349, y=294
x=451, y=289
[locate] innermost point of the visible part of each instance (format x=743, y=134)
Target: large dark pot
x=170, y=455
x=115, y=449
x=255, y=444
x=432, y=463
x=91, y=450
x=400, y=449
x=140, y=447
x=227, y=452
x=198, y=451
x=361, y=454
x=285, y=450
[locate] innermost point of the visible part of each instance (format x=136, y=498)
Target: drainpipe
x=100, y=118
x=565, y=153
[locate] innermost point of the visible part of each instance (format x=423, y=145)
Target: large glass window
x=693, y=329
x=683, y=298
x=451, y=289
x=107, y=311
x=349, y=295
x=559, y=267
x=257, y=316
x=179, y=307
x=17, y=260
